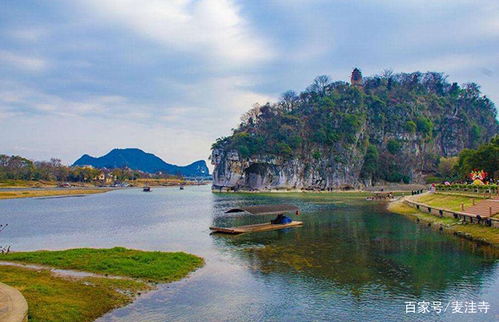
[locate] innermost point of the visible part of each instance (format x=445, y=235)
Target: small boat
x=146, y=189
x=280, y=222
x=181, y=187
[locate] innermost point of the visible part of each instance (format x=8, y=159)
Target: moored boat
x=280, y=222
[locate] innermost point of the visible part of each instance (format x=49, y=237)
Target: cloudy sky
x=170, y=76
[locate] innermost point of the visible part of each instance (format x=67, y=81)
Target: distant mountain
x=137, y=159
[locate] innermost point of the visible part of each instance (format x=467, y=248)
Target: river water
x=352, y=260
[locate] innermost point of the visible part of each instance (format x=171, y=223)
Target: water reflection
x=359, y=248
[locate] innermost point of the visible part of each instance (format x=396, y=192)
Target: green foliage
x=370, y=166
x=410, y=126
x=432, y=179
x=394, y=146
x=397, y=177
x=18, y=168
x=485, y=157
x=336, y=118
x=283, y=149
x=248, y=144
x=476, y=133
x=316, y=155
x=469, y=188
x=424, y=126
x=391, y=169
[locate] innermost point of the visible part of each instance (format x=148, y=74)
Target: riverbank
x=476, y=232
x=49, y=192
x=59, y=296
x=359, y=193
x=27, y=184
x=167, y=182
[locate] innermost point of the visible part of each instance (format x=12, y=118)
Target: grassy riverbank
x=448, y=201
x=60, y=298
x=9, y=183
x=56, y=297
x=481, y=233
x=36, y=193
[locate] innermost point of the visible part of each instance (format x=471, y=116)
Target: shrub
x=424, y=126
x=394, y=146
x=432, y=179
x=410, y=126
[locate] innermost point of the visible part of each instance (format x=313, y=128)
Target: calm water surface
x=352, y=260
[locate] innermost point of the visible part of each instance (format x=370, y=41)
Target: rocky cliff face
x=235, y=173
x=308, y=146
x=339, y=170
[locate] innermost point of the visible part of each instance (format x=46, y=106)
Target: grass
x=47, y=193
x=489, y=235
x=61, y=298
x=153, y=266
x=448, y=201
x=56, y=298
x=10, y=183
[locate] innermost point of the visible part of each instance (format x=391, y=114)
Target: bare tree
x=251, y=116
x=289, y=100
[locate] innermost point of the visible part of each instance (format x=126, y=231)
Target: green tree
x=394, y=146
x=424, y=126
x=486, y=157
x=410, y=126
x=370, y=166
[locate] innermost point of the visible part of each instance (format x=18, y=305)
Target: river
x=352, y=260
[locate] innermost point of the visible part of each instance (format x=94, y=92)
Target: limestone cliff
x=334, y=135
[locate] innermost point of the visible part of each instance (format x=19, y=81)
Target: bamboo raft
x=261, y=210
x=255, y=228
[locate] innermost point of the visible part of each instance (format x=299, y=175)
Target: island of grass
x=481, y=233
x=60, y=297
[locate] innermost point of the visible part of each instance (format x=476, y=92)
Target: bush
x=410, y=126
x=398, y=177
x=370, y=167
x=424, y=126
x=432, y=179
x=394, y=146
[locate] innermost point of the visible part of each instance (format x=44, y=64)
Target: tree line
x=18, y=168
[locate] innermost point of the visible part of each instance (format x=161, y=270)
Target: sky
x=171, y=76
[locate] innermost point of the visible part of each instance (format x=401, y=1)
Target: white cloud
x=28, y=34
x=28, y=63
x=23, y=99
x=212, y=28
